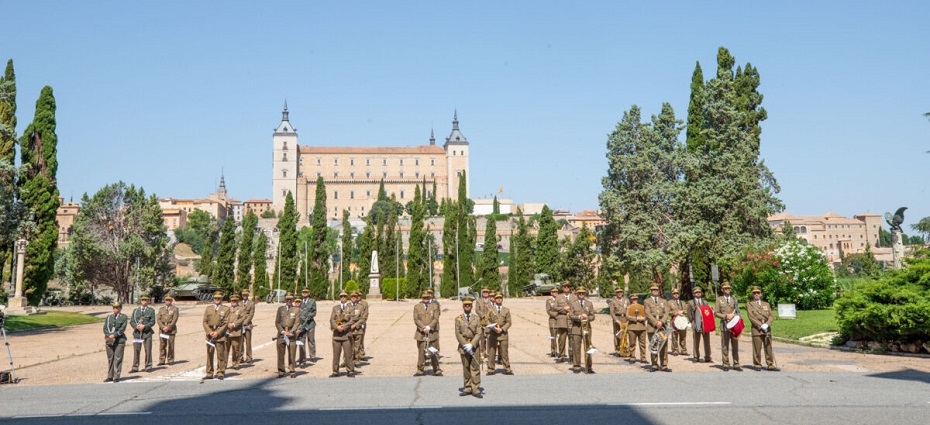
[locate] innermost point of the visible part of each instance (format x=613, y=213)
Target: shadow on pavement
x=905, y=375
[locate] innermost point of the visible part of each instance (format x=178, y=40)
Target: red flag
x=707, y=316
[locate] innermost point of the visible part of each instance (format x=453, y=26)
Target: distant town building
x=352, y=174
x=485, y=206
x=218, y=205
x=834, y=233
x=257, y=206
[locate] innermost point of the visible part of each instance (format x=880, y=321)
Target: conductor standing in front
x=468, y=335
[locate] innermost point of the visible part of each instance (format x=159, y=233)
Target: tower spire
x=455, y=120
x=432, y=137
x=284, y=113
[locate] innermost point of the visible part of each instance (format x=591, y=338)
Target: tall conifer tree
x=319, y=266
x=226, y=257
x=345, y=257
x=259, y=259
x=287, y=238
x=547, y=244
x=417, y=279
x=244, y=264
x=488, y=266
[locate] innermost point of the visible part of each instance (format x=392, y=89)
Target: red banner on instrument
x=707, y=316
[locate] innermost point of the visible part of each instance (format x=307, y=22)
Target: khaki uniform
x=237, y=316
x=214, y=320
x=482, y=308
x=760, y=313
x=636, y=330
x=342, y=341
x=144, y=316
x=697, y=332
x=727, y=341
x=426, y=315
x=114, y=326
x=678, y=337
x=617, y=307
x=435, y=304
x=467, y=332
x=359, y=313
x=167, y=318
x=499, y=341
x=248, y=308
x=579, y=307
x=287, y=319
x=307, y=330
x=656, y=310
x=553, y=319
x=562, y=324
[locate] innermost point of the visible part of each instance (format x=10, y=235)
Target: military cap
x=696, y=290
x=485, y=289
x=654, y=288
x=618, y=290
x=289, y=296
x=169, y=297
x=218, y=294
x=566, y=283
x=305, y=291
x=554, y=289
x=498, y=295
x=343, y=293
x=144, y=298
x=298, y=300
x=756, y=289
x=430, y=291
x=424, y=294
x=116, y=304
x=467, y=301
x=634, y=296
x=234, y=298
x=245, y=292
x=581, y=290
x=675, y=291
x=725, y=286
x=355, y=294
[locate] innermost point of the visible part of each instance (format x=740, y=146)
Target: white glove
x=426, y=329
x=467, y=348
x=765, y=327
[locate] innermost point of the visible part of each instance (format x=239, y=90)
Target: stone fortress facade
x=352, y=175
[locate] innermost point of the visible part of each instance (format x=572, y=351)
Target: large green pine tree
x=489, y=264
x=224, y=275
x=695, y=110
x=417, y=263
x=244, y=264
x=578, y=262
x=39, y=191
x=260, y=284
x=547, y=245
x=319, y=255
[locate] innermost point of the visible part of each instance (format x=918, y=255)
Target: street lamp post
x=458, y=272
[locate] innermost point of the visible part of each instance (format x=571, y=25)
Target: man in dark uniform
x=114, y=333
x=142, y=323
x=249, y=308
x=308, y=328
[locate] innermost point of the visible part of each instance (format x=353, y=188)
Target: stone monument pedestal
x=374, y=287
x=19, y=306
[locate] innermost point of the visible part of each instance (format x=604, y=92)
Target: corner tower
x=456, y=148
x=284, y=162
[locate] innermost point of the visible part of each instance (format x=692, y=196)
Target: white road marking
x=330, y=409
x=81, y=414
x=679, y=403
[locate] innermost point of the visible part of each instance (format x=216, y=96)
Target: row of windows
x=384, y=161
x=368, y=194
x=384, y=174
x=843, y=237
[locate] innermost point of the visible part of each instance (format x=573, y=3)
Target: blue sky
x=167, y=94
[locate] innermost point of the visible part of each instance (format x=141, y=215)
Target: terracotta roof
x=258, y=201
x=373, y=150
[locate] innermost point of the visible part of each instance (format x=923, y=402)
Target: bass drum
x=680, y=323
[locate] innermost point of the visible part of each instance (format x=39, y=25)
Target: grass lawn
x=809, y=322
x=52, y=319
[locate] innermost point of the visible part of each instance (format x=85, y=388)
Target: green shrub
x=389, y=288
x=793, y=272
x=351, y=285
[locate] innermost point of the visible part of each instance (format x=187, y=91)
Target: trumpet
x=586, y=342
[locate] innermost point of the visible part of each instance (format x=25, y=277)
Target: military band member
x=656, y=320
x=562, y=322
x=249, y=308
x=482, y=308
x=725, y=311
x=425, y=317
x=286, y=322
x=636, y=328
x=142, y=324
x=499, y=335
x=341, y=321
x=761, y=317
x=214, y=325
x=467, y=334
x=114, y=334
x=697, y=325
x=167, y=322
x=677, y=307
x=553, y=320
x=433, y=302
x=308, y=332
x=618, y=306
x=234, y=324
x=581, y=311
x=359, y=319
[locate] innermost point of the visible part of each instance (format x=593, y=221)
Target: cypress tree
x=448, y=283
x=287, y=238
x=521, y=259
x=226, y=257
x=345, y=257
x=8, y=116
x=205, y=266
x=39, y=192
x=389, y=249
x=432, y=205
x=244, y=267
x=488, y=265
x=365, y=246
x=466, y=238
x=417, y=270
x=695, y=111
x=319, y=270
x=547, y=244
x=495, y=207
x=261, y=266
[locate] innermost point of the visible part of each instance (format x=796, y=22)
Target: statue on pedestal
x=897, y=244
x=374, y=278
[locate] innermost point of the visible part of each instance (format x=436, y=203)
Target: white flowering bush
x=793, y=272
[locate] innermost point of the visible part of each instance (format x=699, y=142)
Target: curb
x=849, y=349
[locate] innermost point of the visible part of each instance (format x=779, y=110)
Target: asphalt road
x=732, y=398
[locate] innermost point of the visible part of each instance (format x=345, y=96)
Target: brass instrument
x=585, y=342
x=624, y=346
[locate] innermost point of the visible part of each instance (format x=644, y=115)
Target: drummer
x=725, y=311
x=678, y=307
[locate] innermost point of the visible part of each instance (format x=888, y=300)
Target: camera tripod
x=9, y=354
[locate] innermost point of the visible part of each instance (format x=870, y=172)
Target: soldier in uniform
x=726, y=309
x=499, y=335
x=215, y=318
x=286, y=322
x=359, y=319
x=482, y=308
x=677, y=307
x=435, y=303
x=425, y=317
x=618, y=306
x=308, y=331
x=305, y=323
x=553, y=319
x=562, y=323
x=341, y=321
x=237, y=316
x=760, y=315
x=142, y=323
x=636, y=331
x=114, y=333
x=580, y=311
x=248, y=308
x=697, y=325
x=656, y=320
x=467, y=334
x=167, y=322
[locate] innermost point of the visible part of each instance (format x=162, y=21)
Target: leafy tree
x=388, y=252
x=547, y=245
x=116, y=227
x=787, y=230
x=39, y=191
x=578, y=262
x=15, y=220
x=268, y=214
x=467, y=234
x=207, y=264
x=923, y=227
x=244, y=267
x=417, y=264
x=488, y=264
x=224, y=274
x=884, y=237
x=259, y=259
x=345, y=256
